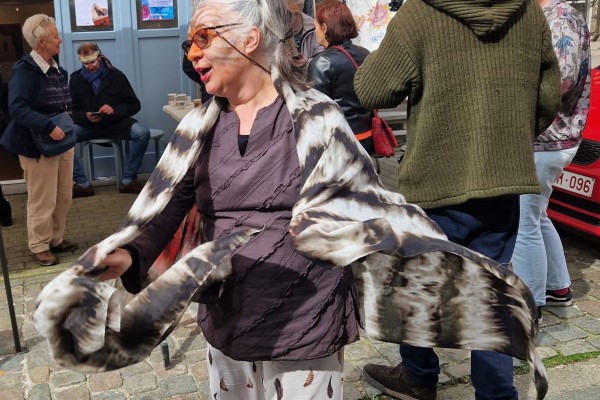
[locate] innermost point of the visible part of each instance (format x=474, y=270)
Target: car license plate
x=575, y=183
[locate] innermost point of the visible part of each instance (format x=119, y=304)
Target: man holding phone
x=103, y=105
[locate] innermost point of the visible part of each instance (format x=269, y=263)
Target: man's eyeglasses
x=45, y=19
x=203, y=37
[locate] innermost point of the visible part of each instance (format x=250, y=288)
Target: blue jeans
x=139, y=136
x=488, y=226
x=539, y=257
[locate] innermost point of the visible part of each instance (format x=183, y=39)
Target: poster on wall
x=156, y=14
x=156, y=10
x=372, y=18
x=91, y=15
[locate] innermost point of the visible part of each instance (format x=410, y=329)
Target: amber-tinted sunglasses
x=203, y=37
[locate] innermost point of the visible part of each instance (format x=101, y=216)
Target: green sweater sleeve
x=549, y=89
x=387, y=75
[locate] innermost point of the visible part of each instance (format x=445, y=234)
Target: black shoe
x=5, y=212
x=132, y=187
x=396, y=382
x=82, y=191
x=64, y=246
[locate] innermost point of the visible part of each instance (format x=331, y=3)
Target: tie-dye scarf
x=415, y=286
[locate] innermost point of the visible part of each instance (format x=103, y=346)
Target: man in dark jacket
x=103, y=104
x=482, y=80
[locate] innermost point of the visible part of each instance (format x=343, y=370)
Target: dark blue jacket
x=27, y=107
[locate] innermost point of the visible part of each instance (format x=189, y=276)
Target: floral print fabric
x=571, y=40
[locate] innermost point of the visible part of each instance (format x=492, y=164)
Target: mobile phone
x=95, y=114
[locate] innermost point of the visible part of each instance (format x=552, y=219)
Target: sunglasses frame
x=186, y=45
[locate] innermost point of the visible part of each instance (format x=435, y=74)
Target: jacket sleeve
x=148, y=246
x=79, y=103
x=22, y=93
x=549, y=88
x=320, y=73
x=387, y=75
x=129, y=104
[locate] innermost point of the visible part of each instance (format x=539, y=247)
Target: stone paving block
x=590, y=306
x=199, y=371
x=39, y=374
x=156, y=395
x=110, y=395
x=595, y=341
x=10, y=380
x=204, y=390
x=139, y=383
x=564, y=312
x=77, y=392
x=192, y=357
x=192, y=343
x=39, y=392
x=352, y=373
x=18, y=393
x=175, y=370
x=12, y=362
x=177, y=385
x=136, y=369
x=66, y=378
x=352, y=392
x=546, y=352
x=543, y=339
x=588, y=323
x=458, y=371
x=364, y=352
x=565, y=332
x=454, y=355
x=37, y=357
x=187, y=396
x=572, y=347
x=104, y=381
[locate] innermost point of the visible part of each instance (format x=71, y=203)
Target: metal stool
x=88, y=157
x=156, y=135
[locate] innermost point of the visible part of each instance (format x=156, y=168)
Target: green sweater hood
x=483, y=17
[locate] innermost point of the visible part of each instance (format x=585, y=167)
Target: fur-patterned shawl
x=415, y=286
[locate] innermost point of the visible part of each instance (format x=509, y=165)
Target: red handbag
x=384, y=139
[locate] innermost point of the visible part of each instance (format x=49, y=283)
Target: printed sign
x=372, y=18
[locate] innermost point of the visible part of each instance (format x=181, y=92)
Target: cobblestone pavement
x=33, y=375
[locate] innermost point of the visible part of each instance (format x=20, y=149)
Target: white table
x=177, y=113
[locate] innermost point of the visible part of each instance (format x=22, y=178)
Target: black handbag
x=50, y=147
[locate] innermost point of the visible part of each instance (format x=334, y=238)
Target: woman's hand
x=117, y=262
x=57, y=133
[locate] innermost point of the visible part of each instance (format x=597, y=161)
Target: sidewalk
x=32, y=375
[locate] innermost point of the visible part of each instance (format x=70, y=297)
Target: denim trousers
x=139, y=135
x=488, y=226
x=539, y=257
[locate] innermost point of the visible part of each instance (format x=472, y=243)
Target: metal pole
x=9, y=298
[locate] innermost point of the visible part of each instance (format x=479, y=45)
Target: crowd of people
x=496, y=106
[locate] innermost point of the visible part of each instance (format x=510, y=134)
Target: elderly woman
x=279, y=314
x=289, y=199
x=38, y=90
x=333, y=70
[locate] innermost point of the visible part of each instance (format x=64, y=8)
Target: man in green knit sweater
x=482, y=80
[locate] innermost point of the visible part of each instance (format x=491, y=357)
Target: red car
x=575, y=200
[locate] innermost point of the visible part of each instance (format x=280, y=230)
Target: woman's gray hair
x=274, y=21
x=296, y=2
x=35, y=28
